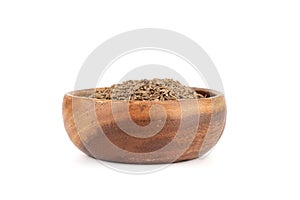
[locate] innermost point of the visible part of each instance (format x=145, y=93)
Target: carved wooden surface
x=92, y=126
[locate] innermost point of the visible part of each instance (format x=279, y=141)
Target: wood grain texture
x=94, y=128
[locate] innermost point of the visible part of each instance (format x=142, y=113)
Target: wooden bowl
x=135, y=132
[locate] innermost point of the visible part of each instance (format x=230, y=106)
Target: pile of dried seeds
x=147, y=90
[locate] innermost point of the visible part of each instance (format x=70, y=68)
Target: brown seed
x=151, y=90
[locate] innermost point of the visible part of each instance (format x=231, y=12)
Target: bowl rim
x=84, y=92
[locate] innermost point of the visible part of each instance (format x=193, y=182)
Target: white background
x=255, y=46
